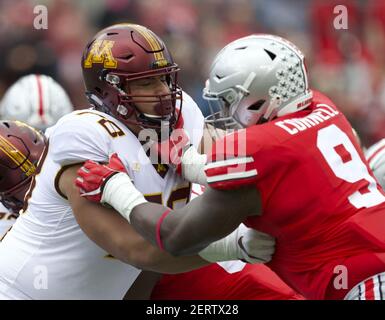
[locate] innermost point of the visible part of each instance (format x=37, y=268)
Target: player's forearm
x=163, y=227
x=145, y=256
x=181, y=234
x=114, y=234
x=166, y=228
x=111, y=232
x=146, y=217
x=184, y=231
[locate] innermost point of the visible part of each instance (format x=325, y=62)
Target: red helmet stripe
x=40, y=96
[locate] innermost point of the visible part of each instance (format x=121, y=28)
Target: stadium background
x=348, y=65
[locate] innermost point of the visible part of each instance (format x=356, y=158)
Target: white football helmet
x=37, y=100
x=255, y=79
x=376, y=159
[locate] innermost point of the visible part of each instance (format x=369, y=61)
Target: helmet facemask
x=13, y=199
x=221, y=115
x=225, y=105
x=126, y=52
x=126, y=109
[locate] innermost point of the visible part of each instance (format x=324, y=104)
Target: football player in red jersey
x=230, y=280
x=296, y=172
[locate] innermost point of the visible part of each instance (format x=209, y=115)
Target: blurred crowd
x=347, y=64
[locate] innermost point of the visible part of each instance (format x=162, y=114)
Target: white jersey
x=7, y=219
x=46, y=255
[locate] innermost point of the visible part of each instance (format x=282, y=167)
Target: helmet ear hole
x=256, y=105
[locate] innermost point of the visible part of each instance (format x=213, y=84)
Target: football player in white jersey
x=37, y=100
x=20, y=149
x=65, y=247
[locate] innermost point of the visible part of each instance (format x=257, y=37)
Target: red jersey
x=319, y=198
x=232, y=280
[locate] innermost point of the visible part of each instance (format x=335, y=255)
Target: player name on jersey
x=322, y=113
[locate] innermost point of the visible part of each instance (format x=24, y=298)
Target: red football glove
x=93, y=176
x=172, y=149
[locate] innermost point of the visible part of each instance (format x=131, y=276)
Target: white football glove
x=193, y=165
x=244, y=244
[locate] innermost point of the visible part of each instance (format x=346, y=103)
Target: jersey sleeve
x=78, y=139
x=241, y=159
